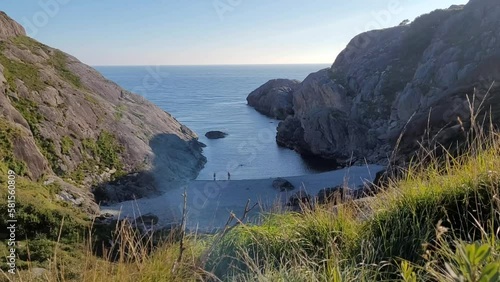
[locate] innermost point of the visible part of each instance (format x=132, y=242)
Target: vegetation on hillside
x=15, y=69
x=9, y=134
x=105, y=152
x=58, y=60
x=439, y=222
x=39, y=218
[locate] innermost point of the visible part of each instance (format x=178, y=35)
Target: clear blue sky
x=197, y=32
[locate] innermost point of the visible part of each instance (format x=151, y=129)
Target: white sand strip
x=209, y=203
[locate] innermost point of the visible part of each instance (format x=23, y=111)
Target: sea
x=206, y=98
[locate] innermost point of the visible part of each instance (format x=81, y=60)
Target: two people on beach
x=228, y=176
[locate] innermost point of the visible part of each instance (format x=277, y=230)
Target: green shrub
x=105, y=152
x=59, y=62
x=109, y=150
x=39, y=249
x=25, y=42
x=475, y=262
x=119, y=111
x=27, y=73
x=7, y=135
x=66, y=145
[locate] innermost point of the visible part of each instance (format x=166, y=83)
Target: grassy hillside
x=439, y=222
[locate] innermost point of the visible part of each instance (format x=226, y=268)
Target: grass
x=28, y=43
x=119, y=112
x=440, y=221
x=66, y=145
x=105, y=152
x=39, y=215
x=423, y=222
x=14, y=69
x=29, y=110
x=59, y=61
x=9, y=134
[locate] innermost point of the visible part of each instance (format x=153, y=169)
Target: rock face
x=333, y=195
x=274, y=98
x=62, y=118
x=410, y=81
x=283, y=184
x=10, y=28
x=299, y=200
x=215, y=134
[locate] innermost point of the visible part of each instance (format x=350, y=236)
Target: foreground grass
x=439, y=222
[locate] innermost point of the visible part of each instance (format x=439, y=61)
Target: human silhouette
x=214, y=176
x=228, y=176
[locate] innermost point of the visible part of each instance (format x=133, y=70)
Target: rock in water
x=215, y=134
x=283, y=184
x=274, y=98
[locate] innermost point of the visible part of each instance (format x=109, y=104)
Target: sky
x=208, y=32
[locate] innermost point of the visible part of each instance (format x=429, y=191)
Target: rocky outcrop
x=334, y=195
x=274, y=98
x=300, y=201
x=10, y=28
x=215, y=134
x=282, y=184
x=62, y=118
x=393, y=87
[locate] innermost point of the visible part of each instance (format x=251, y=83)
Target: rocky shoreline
x=391, y=89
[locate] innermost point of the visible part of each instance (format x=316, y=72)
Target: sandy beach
x=209, y=203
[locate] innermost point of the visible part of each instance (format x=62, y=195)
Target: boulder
x=145, y=224
x=125, y=188
x=283, y=184
x=215, y=134
x=274, y=98
x=299, y=200
x=334, y=195
x=147, y=219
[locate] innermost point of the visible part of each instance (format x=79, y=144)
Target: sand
x=209, y=203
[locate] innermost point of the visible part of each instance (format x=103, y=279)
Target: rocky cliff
x=274, y=98
x=408, y=81
x=61, y=120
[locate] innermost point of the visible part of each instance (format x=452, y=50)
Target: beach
x=210, y=203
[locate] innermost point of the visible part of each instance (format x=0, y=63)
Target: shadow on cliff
x=174, y=161
x=478, y=110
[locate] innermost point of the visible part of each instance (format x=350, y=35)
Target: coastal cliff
x=63, y=122
x=274, y=98
x=391, y=88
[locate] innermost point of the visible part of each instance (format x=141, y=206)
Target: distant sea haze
x=206, y=98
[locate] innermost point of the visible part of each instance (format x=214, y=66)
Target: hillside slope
x=60, y=118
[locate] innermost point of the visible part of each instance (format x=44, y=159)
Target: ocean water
x=208, y=98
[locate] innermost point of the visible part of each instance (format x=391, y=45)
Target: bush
x=66, y=145
x=59, y=62
x=29, y=74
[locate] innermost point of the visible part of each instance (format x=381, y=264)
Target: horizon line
x=211, y=65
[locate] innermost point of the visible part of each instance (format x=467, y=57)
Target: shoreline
x=209, y=202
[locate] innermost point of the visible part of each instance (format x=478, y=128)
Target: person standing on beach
x=228, y=176
x=214, y=176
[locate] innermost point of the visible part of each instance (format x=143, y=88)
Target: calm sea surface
x=208, y=98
